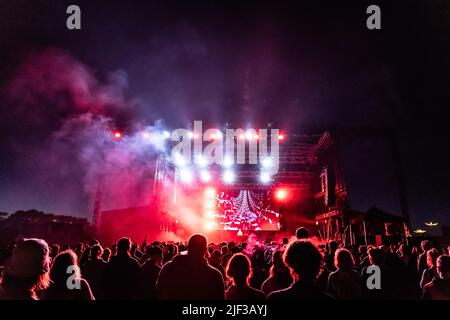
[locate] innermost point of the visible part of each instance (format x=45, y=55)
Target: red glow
x=117, y=134
x=281, y=137
x=241, y=136
x=281, y=194
x=256, y=137
x=213, y=136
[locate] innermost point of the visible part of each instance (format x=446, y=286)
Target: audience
x=195, y=270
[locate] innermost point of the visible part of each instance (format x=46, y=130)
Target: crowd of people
x=198, y=270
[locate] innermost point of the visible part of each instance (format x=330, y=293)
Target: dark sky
x=303, y=65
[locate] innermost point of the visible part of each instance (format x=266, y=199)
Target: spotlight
x=228, y=176
x=205, y=176
x=227, y=162
x=210, y=204
x=117, y=135
x=213, y=136
x=266, y=162
x=190, y=135
x=281, y=194
x=265, y=177
x=196, y=136
x=186, y=176
x=248, y=135
x=241, y=137
x=210, y=193
x=166, y=134
x=281, y=137
x=256, y=137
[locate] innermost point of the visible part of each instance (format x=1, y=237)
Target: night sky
x=303, y=67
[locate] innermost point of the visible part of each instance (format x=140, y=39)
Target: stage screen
x=247, y=210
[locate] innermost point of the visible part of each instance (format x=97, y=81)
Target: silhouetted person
x=363, y=260
x=239, y=270
x=302, y=233
x=422, y=260
x=67, y=284
x=122, y=274
x=214, y=261
x=93, y=270
x=280, y=275
x=189, y=276
x=389, y=282
x=439, y=288
x=304, y=259
x=431, y=272
x=226, y=255
x=54, y=250
x=169, y=252
x=344, y=283
x=150, y=271
x=26, y=271
x=329, y=256
x=106, y=254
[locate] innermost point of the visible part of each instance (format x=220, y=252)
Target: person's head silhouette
x=197, y=245
x=304, y=259
x=443, y=267
x=123, y=246
x=96, y=251
x=59, y=271
x=343, y=259
x=239, y=269
x=302, y=233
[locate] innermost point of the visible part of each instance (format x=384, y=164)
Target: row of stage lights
x=186, y=174
x=249, y=135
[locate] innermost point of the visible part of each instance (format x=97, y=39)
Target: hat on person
x=29, y=258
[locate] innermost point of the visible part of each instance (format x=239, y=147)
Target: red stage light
x=281, y=137
x=281, y=194
x=117, y=134
x=241, y=136
x=213, y=136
